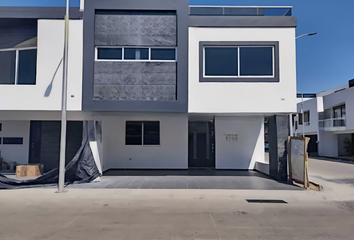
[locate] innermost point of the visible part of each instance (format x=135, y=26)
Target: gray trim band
x=239, y=79
x=242, y=21
x=181, y=104
x=39, y=12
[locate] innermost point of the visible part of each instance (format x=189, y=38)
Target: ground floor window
x=142, y=133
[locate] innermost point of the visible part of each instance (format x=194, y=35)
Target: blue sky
x=324, y=61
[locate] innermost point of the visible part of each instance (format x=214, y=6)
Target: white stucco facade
x=15, y=153
x=46, y=94
x=243, y=97
x=172, y=153
x=249, y=147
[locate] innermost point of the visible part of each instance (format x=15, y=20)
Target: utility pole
x=64, y=103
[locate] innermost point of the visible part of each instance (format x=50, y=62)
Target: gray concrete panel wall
x=159, y=91
x=278, y=132
x=143, y=81
x=135, y=30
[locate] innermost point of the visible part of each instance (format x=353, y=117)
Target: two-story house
x=170, y=86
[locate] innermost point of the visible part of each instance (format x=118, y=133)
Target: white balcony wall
x=242, y=97
x=49, y=54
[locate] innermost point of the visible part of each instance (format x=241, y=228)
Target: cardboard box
x=30, y=170
x=34, y=170
x=21, y=170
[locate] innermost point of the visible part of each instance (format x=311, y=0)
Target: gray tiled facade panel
x=135, y=30
x=135, y=92
x=135, y=73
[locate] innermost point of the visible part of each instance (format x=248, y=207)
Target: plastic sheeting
x=81, y=169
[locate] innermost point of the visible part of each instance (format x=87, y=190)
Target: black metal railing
x=239, y=11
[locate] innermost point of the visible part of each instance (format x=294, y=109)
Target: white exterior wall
x=172, y=153
x=15, y=153
x=328, y=145
x=349, y=107
x=309, y=105
x=249, y=148
x=238, y=97
x=49, y=53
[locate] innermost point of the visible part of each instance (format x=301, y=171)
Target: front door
x=200, y=154
x=35, y=142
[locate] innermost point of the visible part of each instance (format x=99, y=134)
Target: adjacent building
x=170, y=86
x=328, y=121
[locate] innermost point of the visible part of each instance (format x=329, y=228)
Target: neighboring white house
x=328, y=121
x=173, y=86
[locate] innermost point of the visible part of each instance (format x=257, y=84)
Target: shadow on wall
x=50, y=86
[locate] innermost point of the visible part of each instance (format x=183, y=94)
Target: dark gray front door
x=45, y=142
x=200, y=154
x=35, y=142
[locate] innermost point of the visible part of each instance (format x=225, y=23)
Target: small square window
x=12, y=141
x=136, y=53
x=142, y=133
x=109, y=53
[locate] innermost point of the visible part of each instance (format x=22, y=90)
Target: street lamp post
x=306, y=34
x=61, y=181
x=302, y=94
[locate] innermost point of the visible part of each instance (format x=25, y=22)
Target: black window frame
x=17, y=67
x=109, y=48
x=143, y=134
x=274, y=78
x=123, y=58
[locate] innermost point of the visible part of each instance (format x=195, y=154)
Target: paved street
x=185, y=213
x=336, y=176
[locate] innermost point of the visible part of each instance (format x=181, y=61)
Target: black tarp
x=81, y=169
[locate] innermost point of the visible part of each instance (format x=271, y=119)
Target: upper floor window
x=307, y=117
x=339, y=111
x=18, y=66
x=239, y=62
x=136, y=54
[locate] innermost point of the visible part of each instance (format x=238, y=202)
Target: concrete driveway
x=186, y=179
